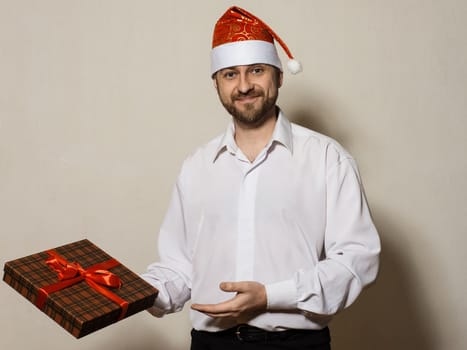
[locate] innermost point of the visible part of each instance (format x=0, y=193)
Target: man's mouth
x=246, y=98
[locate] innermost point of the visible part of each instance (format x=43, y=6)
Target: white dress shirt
x=295, y=219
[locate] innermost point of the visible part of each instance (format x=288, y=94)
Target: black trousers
x=252, y=338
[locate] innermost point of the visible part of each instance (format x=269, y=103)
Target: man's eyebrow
x=229, y=68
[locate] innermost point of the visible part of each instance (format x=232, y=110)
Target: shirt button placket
x=246, y=225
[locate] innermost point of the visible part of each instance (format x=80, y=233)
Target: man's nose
x=244, y=83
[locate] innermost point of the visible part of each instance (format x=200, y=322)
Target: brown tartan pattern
x=79, y=309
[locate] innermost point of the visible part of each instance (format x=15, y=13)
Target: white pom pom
x=294, y=66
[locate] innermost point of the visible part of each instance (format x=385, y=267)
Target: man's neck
x=253, y=140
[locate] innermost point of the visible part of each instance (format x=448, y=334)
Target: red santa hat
x=241, y=38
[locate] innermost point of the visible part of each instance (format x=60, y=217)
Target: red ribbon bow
x=95, y=276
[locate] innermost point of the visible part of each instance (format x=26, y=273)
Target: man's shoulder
x=308, y=139
x=204, y=152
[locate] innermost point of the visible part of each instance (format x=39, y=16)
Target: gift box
x=79, y=286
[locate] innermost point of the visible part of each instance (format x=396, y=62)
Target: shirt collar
x=282, y=134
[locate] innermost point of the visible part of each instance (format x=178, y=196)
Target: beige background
x=100, y=101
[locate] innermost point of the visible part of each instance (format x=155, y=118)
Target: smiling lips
x=246, y=97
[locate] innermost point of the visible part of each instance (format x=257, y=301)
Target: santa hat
x=241, y=38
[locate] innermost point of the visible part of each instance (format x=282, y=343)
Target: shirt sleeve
x=352, y=249
x=172, y=275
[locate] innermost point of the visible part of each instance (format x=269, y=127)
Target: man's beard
x=250, y=116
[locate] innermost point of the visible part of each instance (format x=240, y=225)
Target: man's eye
x=257, y=70
x=229, y=75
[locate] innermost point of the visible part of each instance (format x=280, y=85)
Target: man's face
x=249, y=93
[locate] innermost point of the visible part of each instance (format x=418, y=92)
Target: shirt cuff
x=281, y=295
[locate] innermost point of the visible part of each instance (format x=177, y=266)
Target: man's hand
x=250, y=300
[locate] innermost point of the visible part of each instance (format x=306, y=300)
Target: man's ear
x=214, y=81
x=281, y=76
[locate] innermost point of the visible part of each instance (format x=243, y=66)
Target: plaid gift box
x=71, y=284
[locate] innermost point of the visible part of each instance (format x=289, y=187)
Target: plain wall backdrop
x=100, y=102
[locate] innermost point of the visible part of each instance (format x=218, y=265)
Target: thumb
x=229, y=286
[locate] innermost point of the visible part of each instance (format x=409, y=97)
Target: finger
x=226, y=286
x=231, y=286
x=211, y=311
x=213, y=308
x=223, y=315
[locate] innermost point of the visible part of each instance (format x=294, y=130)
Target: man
x=268, y=231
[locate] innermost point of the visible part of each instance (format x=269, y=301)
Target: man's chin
x=251, y=120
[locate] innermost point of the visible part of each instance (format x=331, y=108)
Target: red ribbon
x=95, y=276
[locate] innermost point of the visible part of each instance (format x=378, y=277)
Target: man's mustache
x=251, y=93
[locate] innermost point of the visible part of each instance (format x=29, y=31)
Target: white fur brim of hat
x=244, y=52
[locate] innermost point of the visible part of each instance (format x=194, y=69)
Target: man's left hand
x=250, y=299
